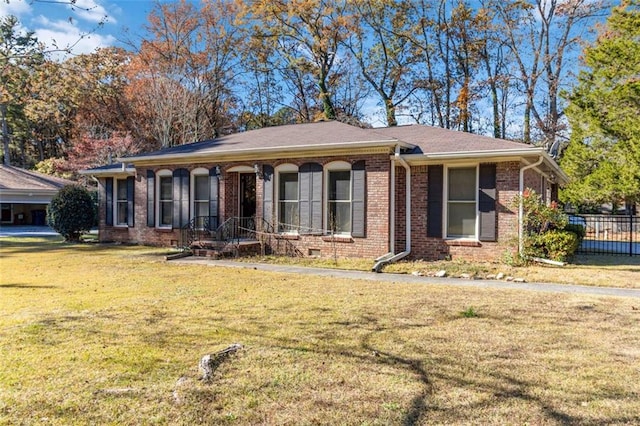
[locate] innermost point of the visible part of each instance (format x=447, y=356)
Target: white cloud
x=62, y=35
x=14, y=7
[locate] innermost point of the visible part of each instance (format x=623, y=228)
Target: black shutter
x=151, y=199
x=434, y=201
x=487, y=202
x=554, y=192
x=180, y=197
x=310, y=198
x=267, y=193
x=213, y=198
x=358, y=198
x=130, y=201
x=108, y=199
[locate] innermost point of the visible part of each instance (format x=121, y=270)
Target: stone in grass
x=499, y=276
x=416, y=273
x=509, y=278
x=466, y=276
x=441, y=274
x=210, y=362
x=519, y=280
x=491, y=276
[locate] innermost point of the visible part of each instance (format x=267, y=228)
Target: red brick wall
x=374, y=245
x=428, y=248
x=376, y=242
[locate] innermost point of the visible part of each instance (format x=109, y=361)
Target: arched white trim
x=200, y=171
x=286, y=167
x=337, y=165
x=241, y=169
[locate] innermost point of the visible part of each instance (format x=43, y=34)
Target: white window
x=461, y=205
x=288, y=198
x=200, y=196
x=165, y=199
x=120, y=208
x=288, y=202
x=338, y=218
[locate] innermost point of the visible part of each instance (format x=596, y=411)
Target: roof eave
x=498, y=155
x=258, y=153
x=129, y=171
x=42, y=191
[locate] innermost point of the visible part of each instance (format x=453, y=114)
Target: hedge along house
x=329, y=188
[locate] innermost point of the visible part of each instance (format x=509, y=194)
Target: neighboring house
x=329, y=188
x=24, y=195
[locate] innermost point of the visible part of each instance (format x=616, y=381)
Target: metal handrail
x=197, y=228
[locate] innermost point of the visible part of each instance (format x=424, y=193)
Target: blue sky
x=60, y=25
x=56, y=22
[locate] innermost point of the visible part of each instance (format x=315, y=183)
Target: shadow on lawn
x=29, y=245
x=608, y=260
x=367, y=353
x=26, y=286
x=502, y=386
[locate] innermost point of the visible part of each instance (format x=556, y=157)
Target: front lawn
x=95, y=334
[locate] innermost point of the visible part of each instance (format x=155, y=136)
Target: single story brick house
x=25, y=194
x=328, y=188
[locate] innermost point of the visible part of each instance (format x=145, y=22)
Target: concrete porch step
x=218, y=249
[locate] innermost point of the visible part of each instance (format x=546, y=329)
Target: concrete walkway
x=26, y=231
x=406, y=278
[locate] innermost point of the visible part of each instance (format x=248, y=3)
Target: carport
x=25, y=194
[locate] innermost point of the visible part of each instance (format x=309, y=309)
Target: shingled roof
x=325, y=134
x=17, y=179
x=431, y=140
x=417, y=139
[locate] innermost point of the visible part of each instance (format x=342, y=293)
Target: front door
x=247, y=201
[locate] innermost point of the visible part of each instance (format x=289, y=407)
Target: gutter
x=390, y=257
x=521, y=204
x=497, y=154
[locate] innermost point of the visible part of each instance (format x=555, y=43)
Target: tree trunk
x=390, y=109
x=5, y=135
x=325, y=97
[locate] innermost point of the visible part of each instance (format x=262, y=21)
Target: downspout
x=392, y=216
x=521, y=205
x=390, y=257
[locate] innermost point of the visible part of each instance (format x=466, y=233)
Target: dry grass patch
x=93, y=334
x=592, y=270
x=605, y=271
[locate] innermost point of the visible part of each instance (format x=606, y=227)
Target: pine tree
x=603, y=156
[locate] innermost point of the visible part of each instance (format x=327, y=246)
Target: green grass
x=96, y=334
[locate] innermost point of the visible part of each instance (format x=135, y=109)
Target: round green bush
x=71, y=212
x=556, y=245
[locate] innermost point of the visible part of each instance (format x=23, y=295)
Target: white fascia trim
x=291, y=148
x=28, y=191
x=498, y=154
x=129, y=171
x=470, y=155
x=561, y=176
